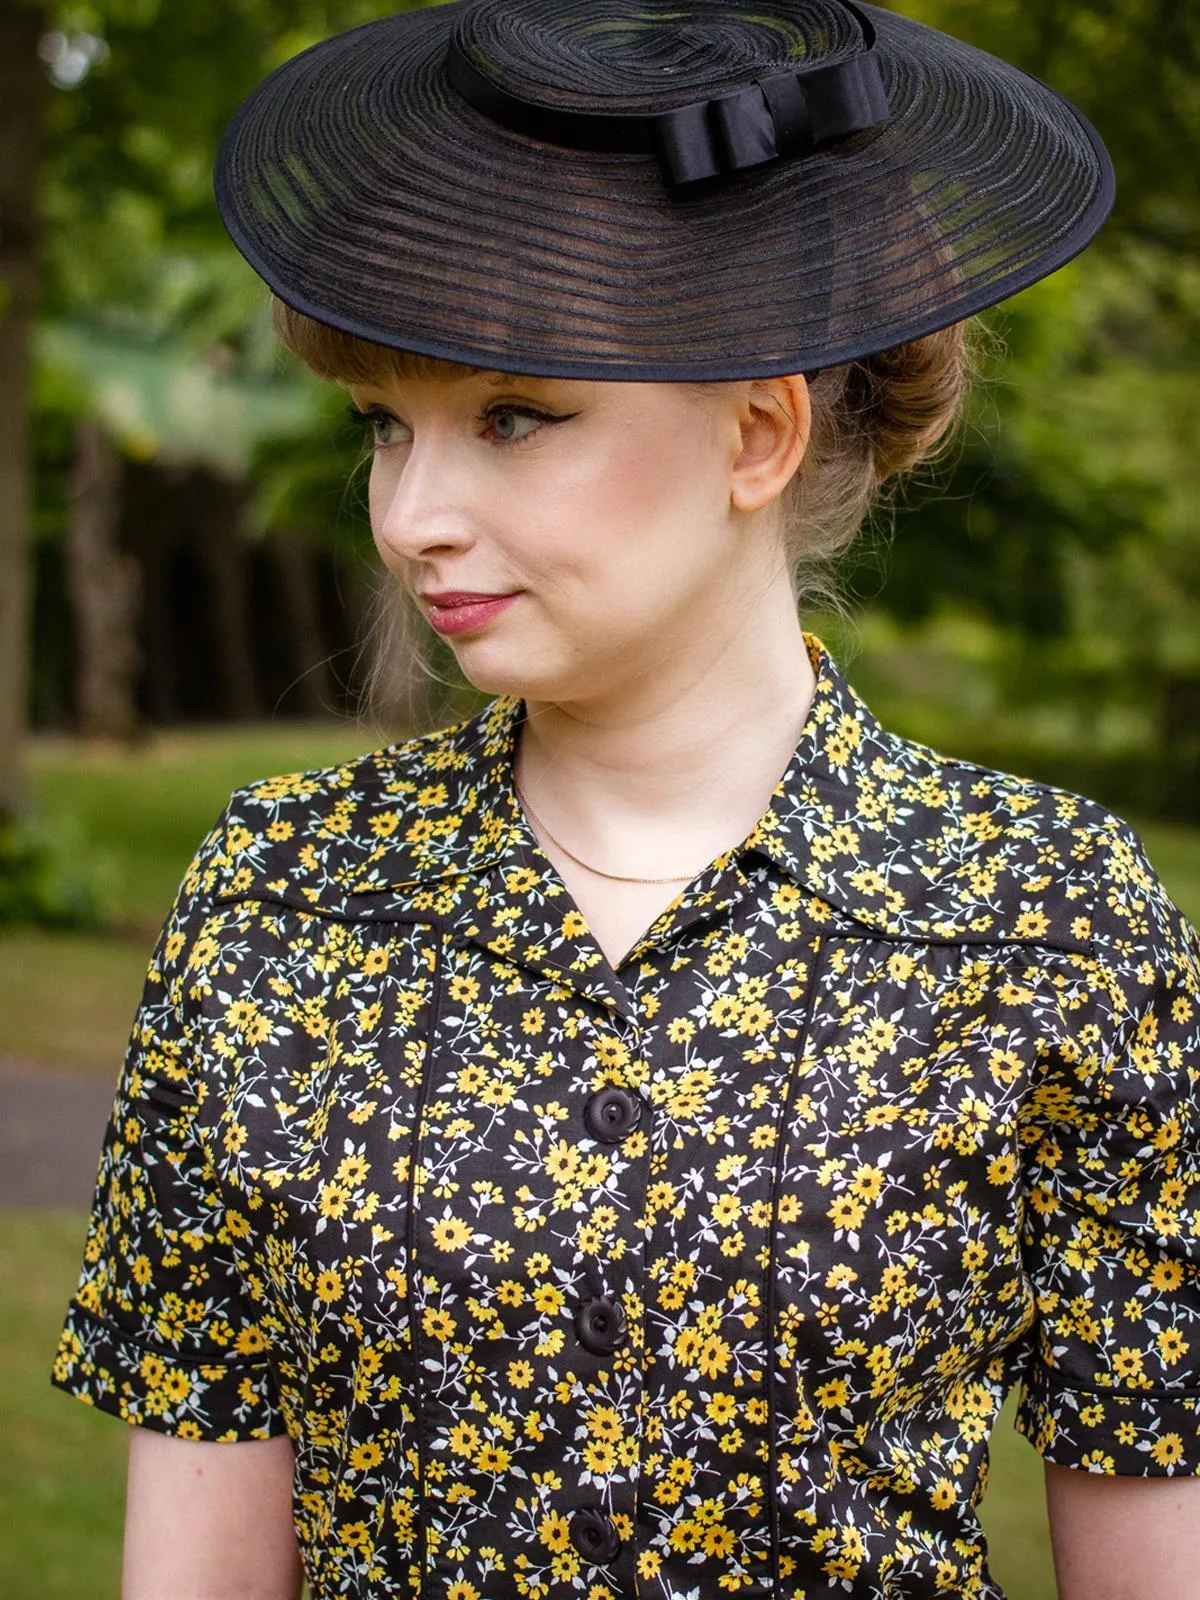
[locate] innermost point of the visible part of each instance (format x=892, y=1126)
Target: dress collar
x=896, y=839
x=467, y=818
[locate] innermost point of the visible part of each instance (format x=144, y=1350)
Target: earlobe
x=775, y=421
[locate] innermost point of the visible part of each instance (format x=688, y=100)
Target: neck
x=667, y=773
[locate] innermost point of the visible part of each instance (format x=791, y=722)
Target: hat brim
x=370, y=197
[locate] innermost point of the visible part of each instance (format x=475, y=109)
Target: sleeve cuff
x=148, y=1386
x=1120, y=1433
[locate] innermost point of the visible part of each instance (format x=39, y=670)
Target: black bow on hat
x=782, y=114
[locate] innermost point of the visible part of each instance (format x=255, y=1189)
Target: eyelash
x=375, y=419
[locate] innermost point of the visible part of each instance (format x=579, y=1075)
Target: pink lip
x=458, y=612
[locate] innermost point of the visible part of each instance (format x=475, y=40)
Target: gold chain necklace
x=613, y=877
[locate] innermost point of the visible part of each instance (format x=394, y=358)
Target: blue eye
x=383, y=427
x=510, y=425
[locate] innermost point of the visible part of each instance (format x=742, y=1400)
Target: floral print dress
x=706, y=1276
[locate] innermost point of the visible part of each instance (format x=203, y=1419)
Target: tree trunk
x=104, y=584
x=223, y=551
x=23, y=90
x=298, y=601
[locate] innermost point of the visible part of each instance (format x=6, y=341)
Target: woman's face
x=567, y=538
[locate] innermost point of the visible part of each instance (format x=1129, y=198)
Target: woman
x=631, y=1143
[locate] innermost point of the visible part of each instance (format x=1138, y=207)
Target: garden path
x=51, y=1126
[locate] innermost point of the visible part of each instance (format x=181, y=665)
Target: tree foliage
x=1064, y=522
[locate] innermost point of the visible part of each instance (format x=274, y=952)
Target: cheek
x=656, y=487
x=381, y=492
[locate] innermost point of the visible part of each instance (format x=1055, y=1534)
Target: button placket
x=595, y=1537
x=602, y=1326
x=610, y=1115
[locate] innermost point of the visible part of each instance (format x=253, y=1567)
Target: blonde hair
x=873, y=422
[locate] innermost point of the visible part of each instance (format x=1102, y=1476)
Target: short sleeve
x=161, y=1331
x=1112, y=1194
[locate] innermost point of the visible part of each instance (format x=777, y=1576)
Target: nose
x=420, y=503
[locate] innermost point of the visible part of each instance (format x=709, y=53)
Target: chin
x=494, y=672
x=497, y=673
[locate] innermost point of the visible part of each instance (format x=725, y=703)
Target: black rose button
x=593, y=1535
x=612, y=1114
x=601, y=1325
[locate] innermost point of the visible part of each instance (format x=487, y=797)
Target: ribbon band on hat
x=791, y=113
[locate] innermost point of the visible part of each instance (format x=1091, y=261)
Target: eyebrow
x=497, y=380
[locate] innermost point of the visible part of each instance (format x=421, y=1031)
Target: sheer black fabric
x=369, y=194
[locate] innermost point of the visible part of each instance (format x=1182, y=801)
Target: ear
x=775, y=419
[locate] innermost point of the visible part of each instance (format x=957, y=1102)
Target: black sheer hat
x=650, y=190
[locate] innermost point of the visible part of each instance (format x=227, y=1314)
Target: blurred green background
x=186, y=572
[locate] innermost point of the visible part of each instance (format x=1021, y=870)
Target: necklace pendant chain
x=611, y=877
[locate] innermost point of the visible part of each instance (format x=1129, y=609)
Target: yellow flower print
x=364, y=1457
x=1166, y=1275
x=464, y=1439
x=1127, y=1364
x=755, y=1018
x=493, y=1458
x=721, y=1409
x=330, y=1287
x=604, y=1422
x=561, y=1161
x=724, y=1011
x=438, y=1324
x=833, y=1395
x=555, y=1532
x=250, y=1341
x=1172, y=1346
x=451, y=1234
x=610, y=1052
x=353, y=1171
x=847, y=1213
x=1167, y=1451
x=1002, y=1169
x=332, y=1200
x=599, y=1457
x=867, y=1183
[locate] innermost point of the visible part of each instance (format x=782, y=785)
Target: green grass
x=1014, y=1516
x=62, y=1465
x=1175, y=852
x=67, y=1000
